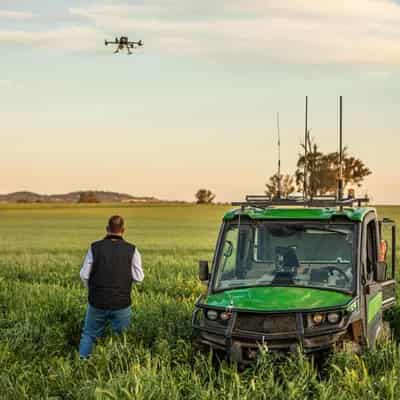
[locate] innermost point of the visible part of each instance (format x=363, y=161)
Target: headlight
x=212, y=315
x=225, y=316
x=318, y=318
x=333, y=317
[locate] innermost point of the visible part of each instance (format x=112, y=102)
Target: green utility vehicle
x=314, y=274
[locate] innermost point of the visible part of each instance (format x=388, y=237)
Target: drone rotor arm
x=138, y=43
x=107, y=42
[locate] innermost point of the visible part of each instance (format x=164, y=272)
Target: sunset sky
x=196, y=106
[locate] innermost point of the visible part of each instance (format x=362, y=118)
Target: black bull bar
x=242, y=342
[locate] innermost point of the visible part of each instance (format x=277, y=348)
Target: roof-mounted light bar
x=262, y=201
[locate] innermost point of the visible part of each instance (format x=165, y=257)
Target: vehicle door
x=372, y=290
x=386, y=273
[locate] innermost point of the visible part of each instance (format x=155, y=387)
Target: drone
x=122, y=42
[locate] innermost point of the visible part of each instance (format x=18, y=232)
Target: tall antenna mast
x=340, y=181
x=305, y=152
x=279, y=157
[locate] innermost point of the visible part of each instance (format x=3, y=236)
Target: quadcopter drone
x=122, y=42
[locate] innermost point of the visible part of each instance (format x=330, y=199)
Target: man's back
x=110, y=281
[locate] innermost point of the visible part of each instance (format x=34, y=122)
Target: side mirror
x=204, y=274
x=381, y=269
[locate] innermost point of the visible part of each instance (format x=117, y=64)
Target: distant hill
x=73, y=197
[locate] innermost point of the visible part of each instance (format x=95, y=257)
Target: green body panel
x=293, y=213
x=374, y=306
x=278, y=299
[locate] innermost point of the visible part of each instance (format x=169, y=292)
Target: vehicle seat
x=290, y=259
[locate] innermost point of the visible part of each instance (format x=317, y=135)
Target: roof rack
x=262, y=201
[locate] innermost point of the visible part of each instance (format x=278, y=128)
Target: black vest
x=110, y=280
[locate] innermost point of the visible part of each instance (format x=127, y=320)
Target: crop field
x=42, y=305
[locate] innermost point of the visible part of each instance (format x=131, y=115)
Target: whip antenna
x=305, y=152
x=340, y=180
x=279, y=157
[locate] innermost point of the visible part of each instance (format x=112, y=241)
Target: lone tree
x=88, y=197
x=286, y=186
x=323, y=171
x=204, y=196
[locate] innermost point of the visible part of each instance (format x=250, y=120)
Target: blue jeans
x=95, y=322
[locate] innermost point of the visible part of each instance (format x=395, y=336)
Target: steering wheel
x=333, y=268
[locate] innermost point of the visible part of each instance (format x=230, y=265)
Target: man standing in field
x=110, y=268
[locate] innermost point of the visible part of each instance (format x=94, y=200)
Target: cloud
x=305, y=31
x=293, y=31
x=16, y=15
x=70, y=38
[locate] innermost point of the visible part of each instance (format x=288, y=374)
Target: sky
x=196, y=105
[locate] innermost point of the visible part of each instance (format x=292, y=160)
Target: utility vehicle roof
x=303, y=213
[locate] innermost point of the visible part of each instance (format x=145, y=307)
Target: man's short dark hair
x=116, y=224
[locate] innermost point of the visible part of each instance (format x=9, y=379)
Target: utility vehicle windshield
x=287, y=254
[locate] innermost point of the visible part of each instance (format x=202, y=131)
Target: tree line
x=322, y=174
x=321, y=180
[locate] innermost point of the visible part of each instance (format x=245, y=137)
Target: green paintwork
x=374, y=306
x=274, y=298
x=325, y=214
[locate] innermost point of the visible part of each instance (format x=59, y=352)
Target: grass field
x=42, y=304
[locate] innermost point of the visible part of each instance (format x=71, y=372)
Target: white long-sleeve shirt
x=137, y=271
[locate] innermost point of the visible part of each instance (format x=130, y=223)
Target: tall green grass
x=42, y=304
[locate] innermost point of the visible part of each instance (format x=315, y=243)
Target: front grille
x=206, y=323
x=267, y=324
